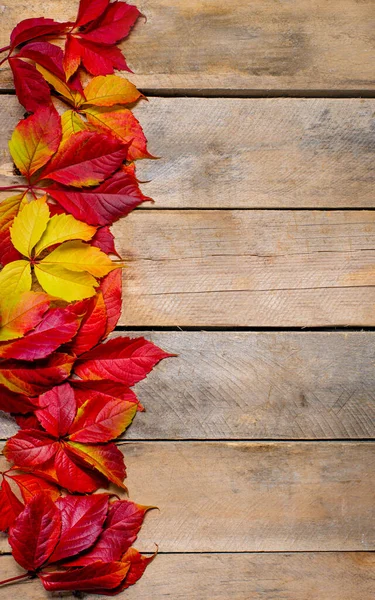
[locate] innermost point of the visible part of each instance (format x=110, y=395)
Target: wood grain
x=247, y=385
x=302, y=576
x=238, y=496
x=248, y=268
x=214, y=46
x=247, y=153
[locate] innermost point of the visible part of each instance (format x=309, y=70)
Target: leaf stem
x=4, y=49
x=13, y=187
x=3, y=61
x=24, y=576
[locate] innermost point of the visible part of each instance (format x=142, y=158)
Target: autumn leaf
x=121, y=359
x=28, y=486
x=116, y=197
x=35, y=140
x=31, y=89
x=86, y=159
x=15, y=278
x=71, y=123
x=57, y=327
x=29, y=226
x=15, y=403
x=70, y=270
x=69, y=434
x=101, y=26
x=108, y=90
x=123, y=125
x=34, y=378
x=30, y=29
x=8, y=211
x=21, y=313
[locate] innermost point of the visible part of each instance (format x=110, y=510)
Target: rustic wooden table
x=256, y=444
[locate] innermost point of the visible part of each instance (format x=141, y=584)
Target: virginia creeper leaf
x=121, y=359
x=35, y=532
x=10, y=506
x=111, y=290
x=29, y=226
x=108, y=90
x=82, y=522
x=114, y=198
x=103, y=576
x=93, y=326
x=35, y=140
x=122, y=526
x=123, y=125
x=57, y=327
x=89, y=10
x=34, y=378
x=21, y=313
x=57, y=410
x=31, y=89
x=14, y=403
x=106, y=459
x=61, y=228
x=86, y=158
x=15, y=278
x=29, y=29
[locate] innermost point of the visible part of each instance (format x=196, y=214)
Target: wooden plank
x=247, y=385
x=241, y=46
x=222, y=153
x=248, y=268
x=242, y=496
x=296, y=576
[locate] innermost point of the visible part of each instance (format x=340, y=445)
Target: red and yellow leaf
x=106, y=459
x=108, y=90
x=102, y=576
x=35, y=139
x=34, y=378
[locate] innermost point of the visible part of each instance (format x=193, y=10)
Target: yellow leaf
x=29, y=226
x=58, y=281
x=35, y=140
x=61, y=228
x=107, y=90
x=71, y=123
x=77, y=256
x=15, y=278
x=61, y=87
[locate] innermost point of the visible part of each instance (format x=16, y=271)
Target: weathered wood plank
x=238, y=496
x=246, y=385
x=248, y=268
x=239, y=46
x=223, y=153
x=296, y=576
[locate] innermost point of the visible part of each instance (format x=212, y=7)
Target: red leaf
x=106, y=390
x=102, y=576
x=10, y=506
x=122, y=526
x=90, y=10
x=114, y=198
x=45, y=54
x=85, y=159
x=105, y=240
x=30, y=29
x=101, y=419
x=138, y=564
x=37, y=377
x=30, y=486
x=114, y=25
x=28, y=421
x=73, y=474
x=31, y=89
x=93, y=326
x=35, y=532
x=106, y=459
x=29, y=448
x=58, y=407
x=121, y=359
x=14, y=403
x=111, y=290
x=101, y=60
x=81, y=524
x=57, y=327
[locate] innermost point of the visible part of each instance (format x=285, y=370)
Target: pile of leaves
x=67, y=386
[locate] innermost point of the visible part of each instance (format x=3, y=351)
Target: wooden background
x=257, y=266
